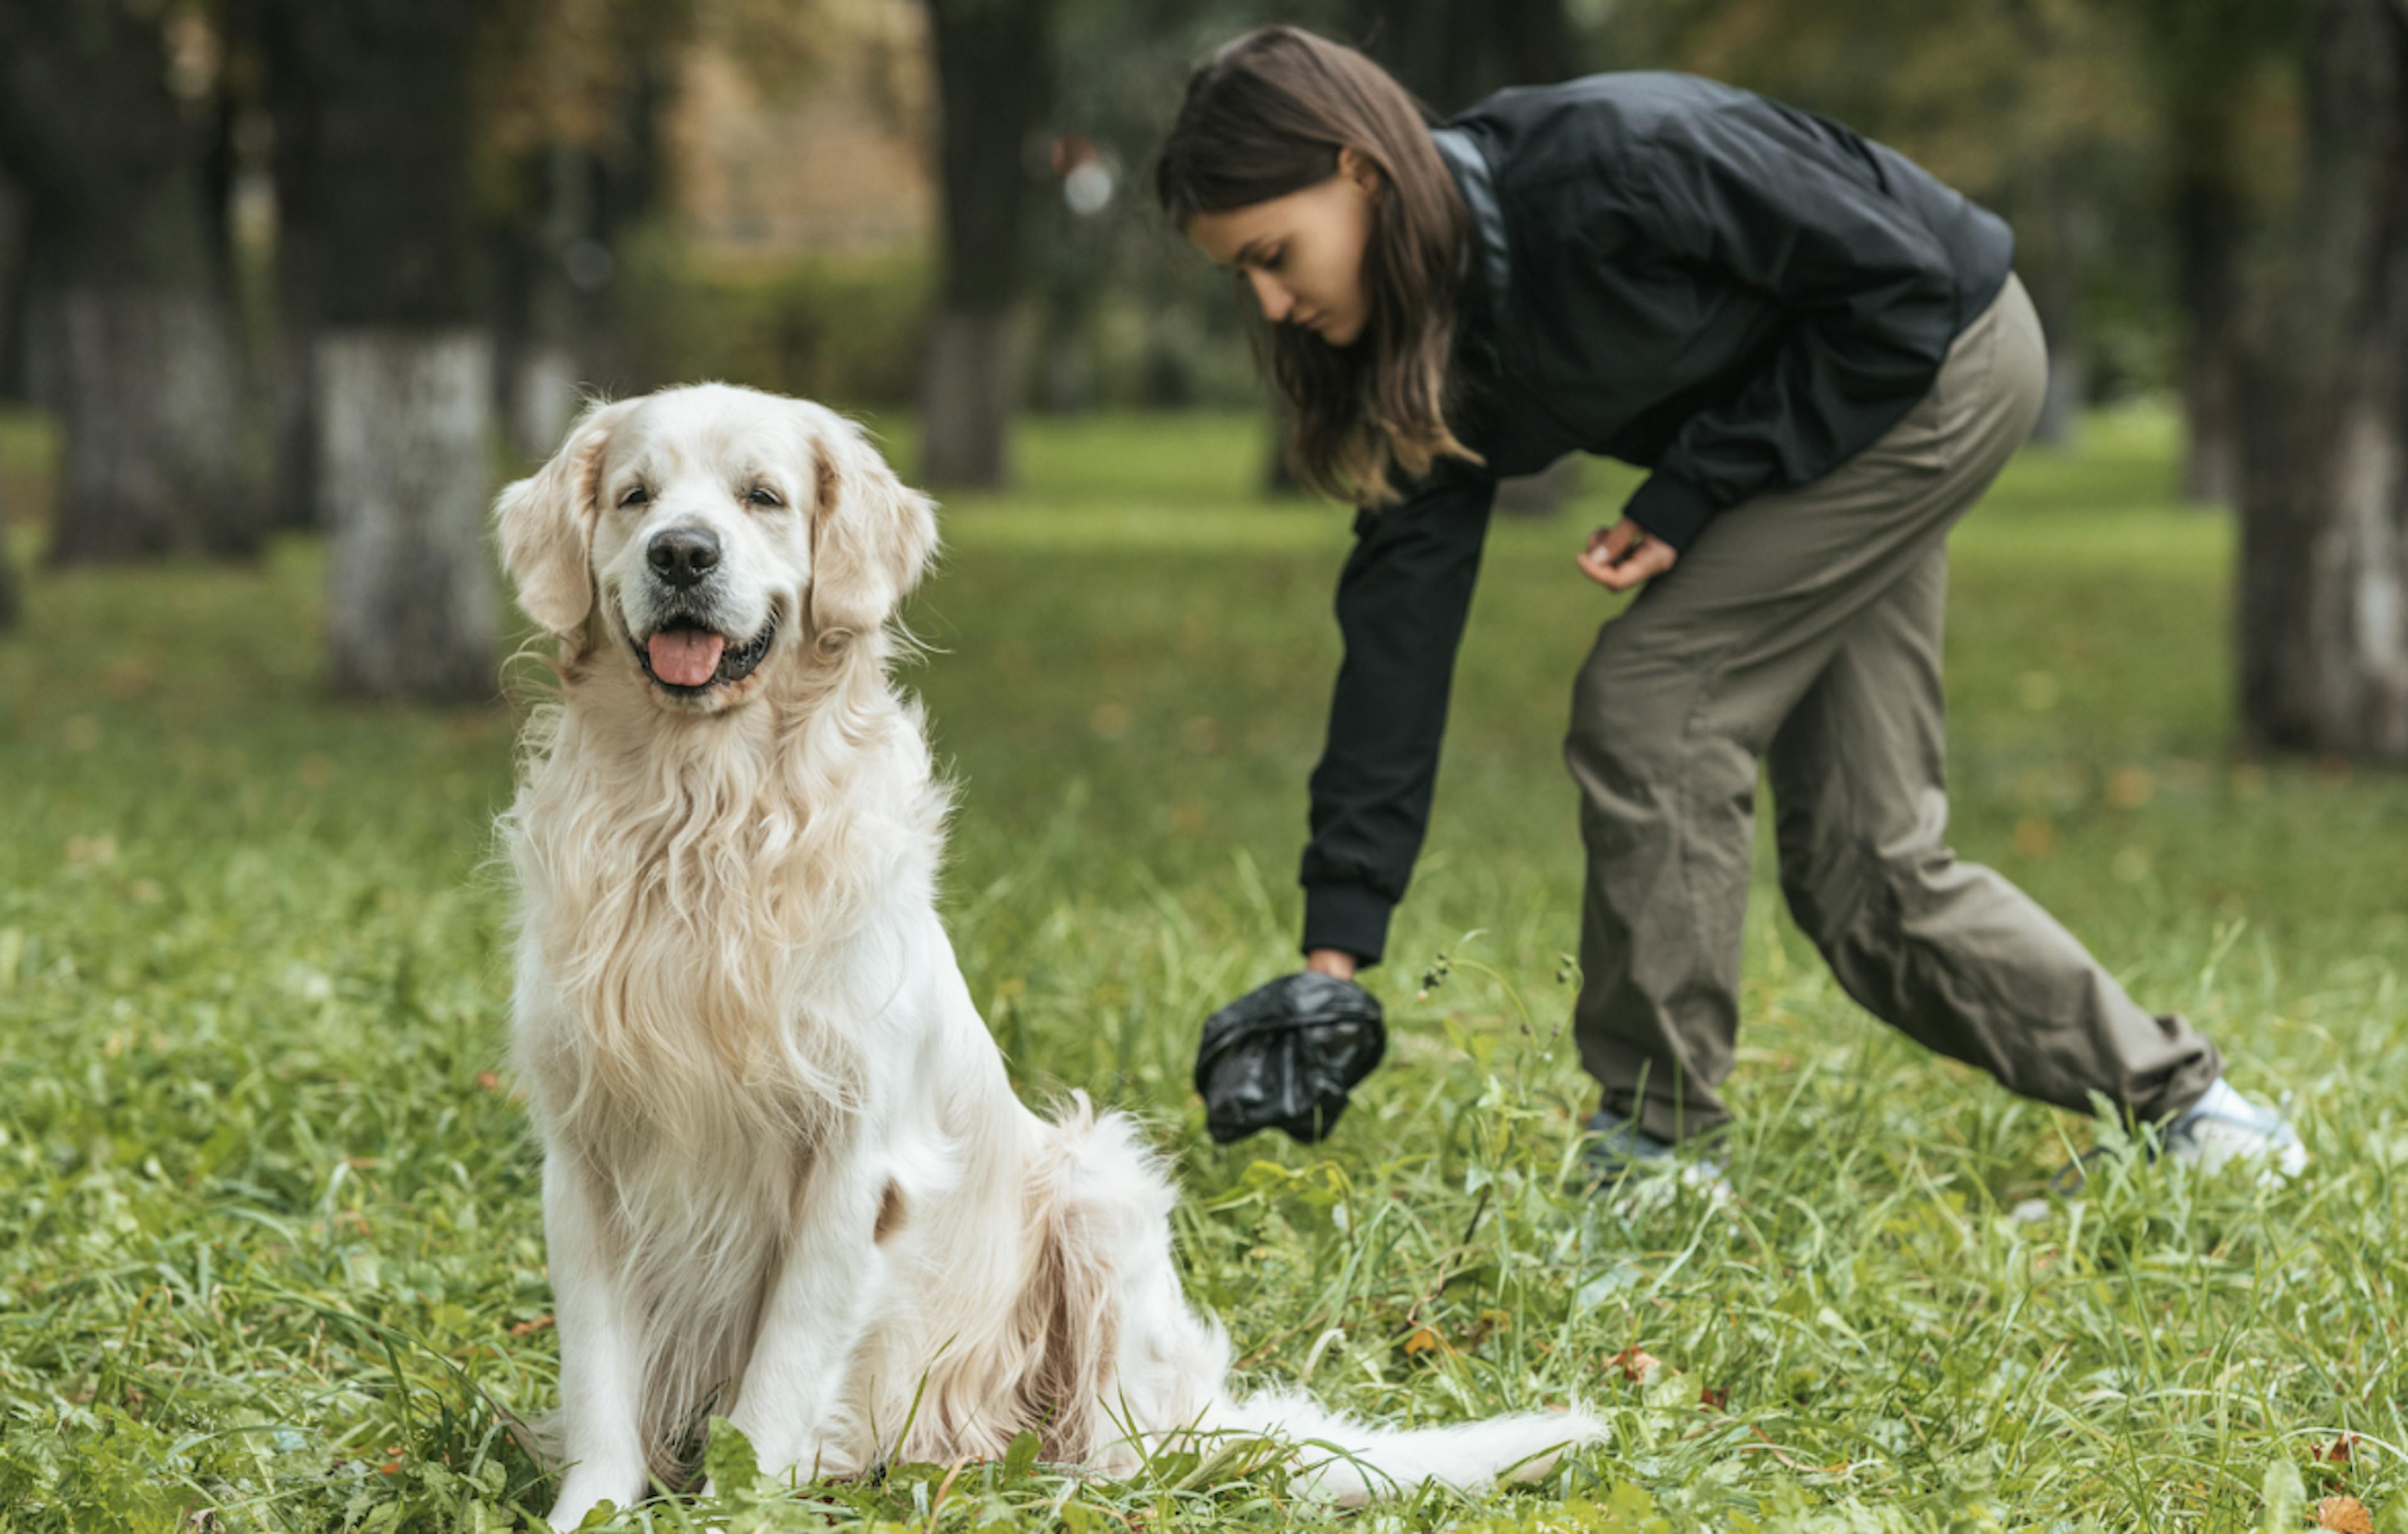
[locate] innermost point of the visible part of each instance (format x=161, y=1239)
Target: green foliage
x=2070, y=118
x=271, y=1249
x=850, y=327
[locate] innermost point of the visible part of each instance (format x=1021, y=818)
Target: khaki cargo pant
x=1803, y=628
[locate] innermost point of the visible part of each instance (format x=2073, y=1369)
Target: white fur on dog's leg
x=815, y=1321
x=601, y=1372
x=580, y=1496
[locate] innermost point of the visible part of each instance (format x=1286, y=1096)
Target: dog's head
x=709, y=535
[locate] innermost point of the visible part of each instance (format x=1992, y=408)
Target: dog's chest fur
x=697, y=924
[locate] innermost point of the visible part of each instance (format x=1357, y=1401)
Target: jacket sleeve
x=1794, y=206
x=1402, y=600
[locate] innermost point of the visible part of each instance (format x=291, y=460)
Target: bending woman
x=1822, y=355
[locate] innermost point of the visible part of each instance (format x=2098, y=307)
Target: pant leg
x=1950, y=953
x=1685, y=689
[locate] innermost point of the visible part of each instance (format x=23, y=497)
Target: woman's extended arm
x=1401, y=602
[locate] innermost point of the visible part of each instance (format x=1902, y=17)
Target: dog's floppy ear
x=871, y=535
x=547, y=524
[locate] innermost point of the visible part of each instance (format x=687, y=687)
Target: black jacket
x=1733, y=293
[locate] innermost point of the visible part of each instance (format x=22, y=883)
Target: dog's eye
x=636, y=497
x=762, y=495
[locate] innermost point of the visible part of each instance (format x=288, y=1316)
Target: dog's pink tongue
x=685, y=657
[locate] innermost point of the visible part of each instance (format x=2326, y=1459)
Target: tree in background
x=2029, y=106
x=1452, y=52
x=566, y=106
x=12, y=312
x=403, y=371
x=1111, y=276
x=2224, y=71
x=109, y=125
x=8, y=601
x=16, y=288
x=274, y=88
x=2323, y=601
x=994, y=82
x=571, y=99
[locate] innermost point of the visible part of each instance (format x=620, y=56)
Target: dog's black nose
x=683, y=556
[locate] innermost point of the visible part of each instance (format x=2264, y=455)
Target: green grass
x=269, y=1244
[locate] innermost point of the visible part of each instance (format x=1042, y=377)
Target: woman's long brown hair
x=1266, y=116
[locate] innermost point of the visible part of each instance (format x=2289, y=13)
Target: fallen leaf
x=1423, y=1340
x=2345, y=1513
x=537, y=1323
x=1636, y=1364
x=2337, y=1452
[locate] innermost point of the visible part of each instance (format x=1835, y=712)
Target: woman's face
x=1303, y=253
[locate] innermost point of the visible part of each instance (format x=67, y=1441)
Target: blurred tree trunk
x=2208, y=233
x=2210, y=60
x=405, y=375
x=556, y=317
x=291, y=104
x=9, y=607
x=623, y=185
x=1072, y=271
x=1452, y=53
x=993, y=61
x=2054, y=269
x=15, y=239
x=2054, y=221
x=130, y=320
x=16, y=289
x=2323, y=604
x=530, y=310
x=576, y=191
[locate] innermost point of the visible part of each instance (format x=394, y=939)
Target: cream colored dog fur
x=785, y=1177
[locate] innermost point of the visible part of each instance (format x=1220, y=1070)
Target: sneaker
x=1619, y=1152
x=2224, y=1126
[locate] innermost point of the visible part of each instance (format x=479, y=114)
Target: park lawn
x=269, y=1243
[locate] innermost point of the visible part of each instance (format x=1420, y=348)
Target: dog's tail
x=1353, y=1463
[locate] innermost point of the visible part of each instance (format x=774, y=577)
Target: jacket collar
x=1472, y=178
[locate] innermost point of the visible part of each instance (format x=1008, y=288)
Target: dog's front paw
x=571, y=1511
x=585, y=1490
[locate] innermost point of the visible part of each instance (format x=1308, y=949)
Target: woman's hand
x=1331, y=961
x=1621, y=556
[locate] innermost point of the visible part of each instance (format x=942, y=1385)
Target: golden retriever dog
x=785, y=1176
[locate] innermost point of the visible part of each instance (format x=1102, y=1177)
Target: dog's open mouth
x=685, y=656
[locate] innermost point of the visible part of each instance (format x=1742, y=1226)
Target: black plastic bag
x=1283, y=1056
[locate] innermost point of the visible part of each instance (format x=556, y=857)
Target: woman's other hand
x=1621, y=556
x=1331, y=961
